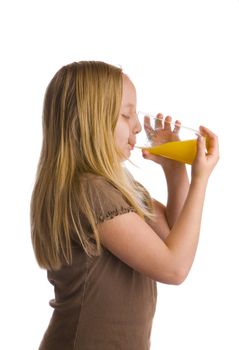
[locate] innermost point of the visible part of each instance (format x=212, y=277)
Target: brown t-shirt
x=100, y=302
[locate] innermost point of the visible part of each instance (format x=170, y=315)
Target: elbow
x=179, y=277
x=175, y=277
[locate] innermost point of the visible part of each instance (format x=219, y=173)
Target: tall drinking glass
x=167, y=139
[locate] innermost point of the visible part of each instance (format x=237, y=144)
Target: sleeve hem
x=111, y=214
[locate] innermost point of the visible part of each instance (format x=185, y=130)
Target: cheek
x=121, y=133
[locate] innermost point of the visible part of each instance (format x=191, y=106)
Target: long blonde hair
x=80, y=112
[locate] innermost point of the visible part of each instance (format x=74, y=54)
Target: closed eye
x=126, y=116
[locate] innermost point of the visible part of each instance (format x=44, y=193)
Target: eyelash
x=126, y=116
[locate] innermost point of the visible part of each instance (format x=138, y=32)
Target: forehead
x=129, y=93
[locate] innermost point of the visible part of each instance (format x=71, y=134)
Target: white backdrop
x=183, y=58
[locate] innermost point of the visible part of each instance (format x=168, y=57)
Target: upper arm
x=134, y=242
x=128, y=236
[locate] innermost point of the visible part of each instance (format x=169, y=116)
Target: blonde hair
x=81, y=107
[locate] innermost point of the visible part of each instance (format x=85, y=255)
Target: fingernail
x=201, y=138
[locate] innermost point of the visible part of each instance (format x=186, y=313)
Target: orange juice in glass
x=167, y=139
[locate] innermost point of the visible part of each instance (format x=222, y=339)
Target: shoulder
x=97, y=185
x=105, y=199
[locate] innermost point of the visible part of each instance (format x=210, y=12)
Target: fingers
x=167, y=123
x=171, y=126
x=201, y=148
x=147, y=126
x=211, y=142
x=207, y=149
x=177, y=126
x=161, y=123
x=158, y=121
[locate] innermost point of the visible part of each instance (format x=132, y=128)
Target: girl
x=103, y=240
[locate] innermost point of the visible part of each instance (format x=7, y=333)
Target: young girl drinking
x=102, y=239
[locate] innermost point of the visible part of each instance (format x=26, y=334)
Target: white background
x=183, y=58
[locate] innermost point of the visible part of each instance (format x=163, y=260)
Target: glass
x=167, y=139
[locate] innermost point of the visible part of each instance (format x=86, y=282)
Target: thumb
x=147, y=155
x=201, y=147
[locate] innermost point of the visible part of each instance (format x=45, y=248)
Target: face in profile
x=128, y=124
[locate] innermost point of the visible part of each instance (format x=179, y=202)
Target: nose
x=138, y=126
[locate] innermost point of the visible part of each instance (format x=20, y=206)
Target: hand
x=204, y=162
x=162, y=134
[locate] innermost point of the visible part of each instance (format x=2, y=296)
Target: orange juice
x=182, y=151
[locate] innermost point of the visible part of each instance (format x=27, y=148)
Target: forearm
x=183, y=238
x=178, y=185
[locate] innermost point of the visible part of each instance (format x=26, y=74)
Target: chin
x=125, y=154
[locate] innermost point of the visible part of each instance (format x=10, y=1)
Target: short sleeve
x=106, y=201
